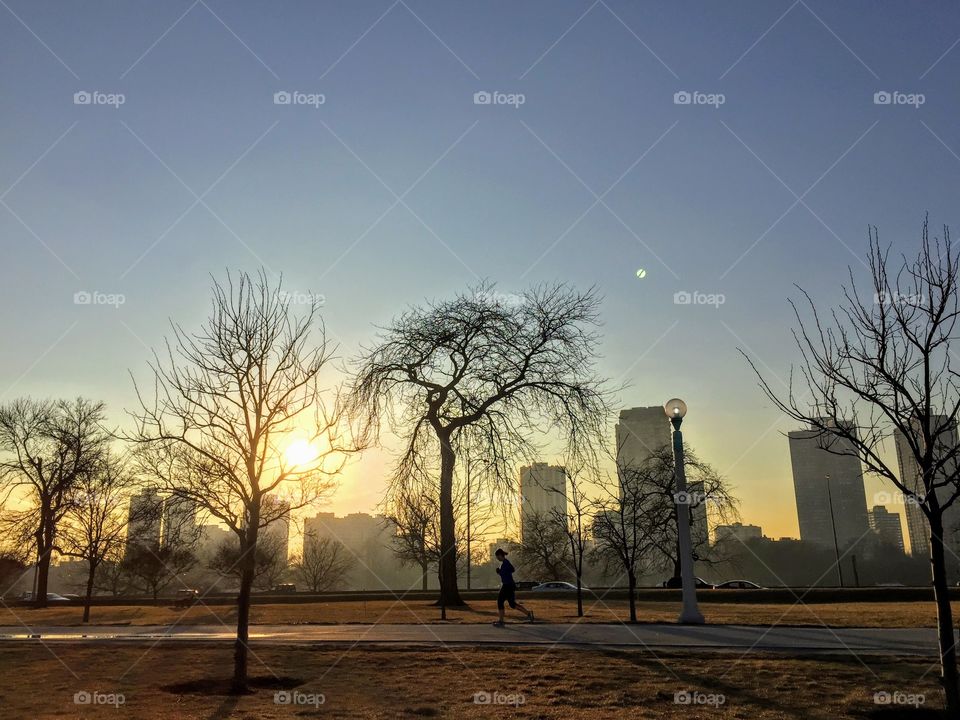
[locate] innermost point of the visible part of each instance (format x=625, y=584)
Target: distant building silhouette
x=736, y=532
x=886, y=525
x=918, y=529
x=369, y=541
x=543, y=491
x=640, y=432
x=812, y=465
x=144, y=519
x=179, y=522
x=278, y=531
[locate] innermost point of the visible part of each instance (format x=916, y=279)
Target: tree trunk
x=579, y=594
x=632, y=583
x=424, y=571
x=948, y=651
x=43, y=571
x=449, y=593
x=86, y=598
x=248, y=567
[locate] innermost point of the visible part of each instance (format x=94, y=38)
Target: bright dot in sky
x=641, y=273
x=301, y=452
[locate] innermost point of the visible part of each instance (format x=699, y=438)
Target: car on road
x=284, y=588
x=739, y=585
x=52, y=598
x=527, y=584
x=556, y=586
x=676, y=582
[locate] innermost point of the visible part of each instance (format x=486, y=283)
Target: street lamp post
x=833, y=525
x=690, y=614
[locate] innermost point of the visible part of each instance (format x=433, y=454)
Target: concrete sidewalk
x=739, y=638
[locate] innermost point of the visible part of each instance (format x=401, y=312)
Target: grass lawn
x=378, y=682
x=847, y=614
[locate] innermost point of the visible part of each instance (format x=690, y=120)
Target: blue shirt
x=505, y=571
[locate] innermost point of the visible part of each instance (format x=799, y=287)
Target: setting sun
x=301, y=452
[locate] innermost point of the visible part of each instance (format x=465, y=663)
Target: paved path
x=795, y=640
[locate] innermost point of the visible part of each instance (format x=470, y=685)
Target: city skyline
x=739, y=162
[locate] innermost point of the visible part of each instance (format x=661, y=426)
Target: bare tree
x=95, y=525
x=45, y=448
x=575, y=520
x=620, y=528
x=881, y=365
x=238, y=412
x=151, y=568
x=484, y=373
x=270, y=561
x=324, y=563
x=709, y=496
x=544, y=548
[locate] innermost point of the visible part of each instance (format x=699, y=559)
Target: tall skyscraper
x=886, y=525
x=543, y=491
x=179, y=522
x=641, y=431
x=144, y=518
x=917, y=528
x=277, y=532
x=812, y=465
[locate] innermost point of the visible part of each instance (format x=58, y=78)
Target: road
x=793, y=640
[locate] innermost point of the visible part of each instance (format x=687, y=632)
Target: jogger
x=508, y=589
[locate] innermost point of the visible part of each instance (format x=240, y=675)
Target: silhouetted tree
x=323, y=564
x=487, y=373
x=270, y=561
x=151, y=568
x=544, y=548
x=882, y=363
x=45, y=448
x=229, y=403
x=575, y=520
x=95, y=525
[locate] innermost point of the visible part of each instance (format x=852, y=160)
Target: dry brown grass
x=378, y=682
x=873, y=614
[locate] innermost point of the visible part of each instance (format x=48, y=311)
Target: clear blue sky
x=100, y=198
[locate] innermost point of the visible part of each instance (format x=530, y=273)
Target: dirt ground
x=171, y=682
x=873, y=614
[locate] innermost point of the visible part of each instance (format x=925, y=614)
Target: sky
x=387, y=179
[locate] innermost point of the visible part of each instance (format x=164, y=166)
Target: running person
x=508, y=589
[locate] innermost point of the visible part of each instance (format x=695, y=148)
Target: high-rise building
x=277, y=532
x=918, y=529
x=736, y=532
x=886, y=525
x=641, y=432
x=144, y=518
x=179, y=522
x=823, y=477
x=543, y=492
